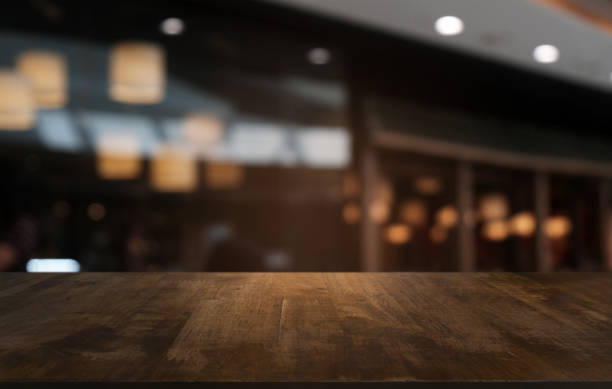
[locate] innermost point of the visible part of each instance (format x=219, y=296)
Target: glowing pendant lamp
x=137, y=73
x=118, y=156
x=494, y=206
x=204, y=131
x=46, y=72
x=17, y=109
x=174, y=169
x=398, y=233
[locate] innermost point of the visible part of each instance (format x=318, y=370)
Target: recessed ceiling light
x=319, y=56
x=449, y=25
x=172, y=26
x=546, y=54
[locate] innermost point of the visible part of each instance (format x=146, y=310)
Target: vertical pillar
x=605, y=191
x=370, y=242
x=465, y=204
x=542, y=210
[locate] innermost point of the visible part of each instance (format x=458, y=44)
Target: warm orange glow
x=203, y=131
x=557, y=227
x=137, y=73
x=17, y=108
x=447, y=216
x=379, y=211
x=384, y=191
x=414, y=212
x=495, y=230
x=174, y=169
x=398, y=233
x=118, y=156
x=96, y=211
x=493, y=206
x=350, y=185
x=223, y=175
x=427, y=185
x=585, y=12
x=523, y=224
x=351, y=213
x=46, y=72
x=438, y=234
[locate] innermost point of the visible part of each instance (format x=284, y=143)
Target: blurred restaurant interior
x=295, y=135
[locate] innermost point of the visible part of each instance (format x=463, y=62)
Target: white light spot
x=52, y=265
x=172, y=26
x=324, y=147
x=546, y=54
x=319, y=56
x=449, y=25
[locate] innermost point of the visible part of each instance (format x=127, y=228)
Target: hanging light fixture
x=137, y=73
x=494, y=206
x=46, y=72
x=428, y=185
x=447, y=216
x=174, y=169
x=495, y=230
x=17, y=109
x=118, y=155
x=379, y=211
x=351, y=213
x=414, y=212
x=438, y=234
x=523, y=224
x=557, y=227
x=398, y=233
x=223, y=175
x=202, y=131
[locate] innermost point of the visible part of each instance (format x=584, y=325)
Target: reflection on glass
x=137, y=73
x=46, y=72
x=17, y=109
x=174, y=169
x=118, y=155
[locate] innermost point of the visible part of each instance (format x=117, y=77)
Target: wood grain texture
x=305, y=327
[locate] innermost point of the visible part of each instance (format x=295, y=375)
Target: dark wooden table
x=296, y=329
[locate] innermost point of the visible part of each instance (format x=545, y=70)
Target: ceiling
x=505, y=30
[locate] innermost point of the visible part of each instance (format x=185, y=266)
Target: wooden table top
x=306, y=327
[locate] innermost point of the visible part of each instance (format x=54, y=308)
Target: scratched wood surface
x=305, y=327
